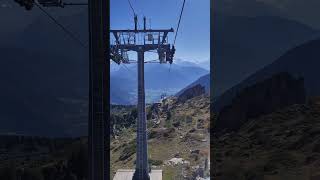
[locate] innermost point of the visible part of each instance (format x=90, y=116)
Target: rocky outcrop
x=279, y=91
x=203, y=81
x=192, y=92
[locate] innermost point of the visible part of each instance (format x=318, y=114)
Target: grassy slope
x=163, y=144
x=282, y=145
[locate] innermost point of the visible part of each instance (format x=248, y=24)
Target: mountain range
x=238, y=54
x=160, y=79
x=243, y=45
x=301, y=62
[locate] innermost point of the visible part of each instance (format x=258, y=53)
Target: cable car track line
x=175, y=38
x=61, y=26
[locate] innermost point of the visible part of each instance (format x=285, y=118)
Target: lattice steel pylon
x=128, y=40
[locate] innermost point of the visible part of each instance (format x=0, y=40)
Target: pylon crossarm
x=147, y=47
x=128, y=36
x=142, y=31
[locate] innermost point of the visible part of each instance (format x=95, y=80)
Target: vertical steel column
x=98, y=89
x=142, y=168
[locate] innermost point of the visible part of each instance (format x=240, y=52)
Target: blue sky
x=193, y=41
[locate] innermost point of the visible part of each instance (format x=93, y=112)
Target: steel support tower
x=126, y=40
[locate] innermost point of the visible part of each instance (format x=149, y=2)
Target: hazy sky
x=193, y=41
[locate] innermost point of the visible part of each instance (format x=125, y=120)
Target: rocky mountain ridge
x=264, y=97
